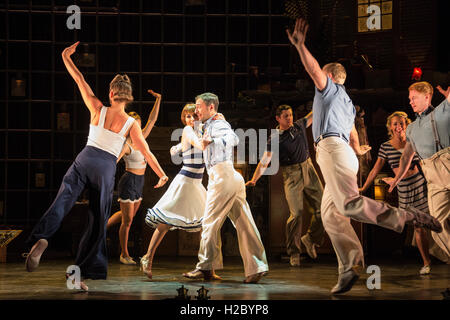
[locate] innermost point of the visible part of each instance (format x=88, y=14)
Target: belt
x=331, y=134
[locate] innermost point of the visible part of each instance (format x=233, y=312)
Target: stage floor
x=400, y=280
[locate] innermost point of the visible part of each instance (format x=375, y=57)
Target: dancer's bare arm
x=445, y=93
x=354, y=143
x=141, y=145
x=259, y=171
x=153, y=114
x=309, y=119
x=297, y=38
x=405, y=163
x=89, y=98
x=373, y=173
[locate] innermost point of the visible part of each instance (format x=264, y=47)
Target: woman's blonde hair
x=188, y=108
x=121, y=87
x=399, y=114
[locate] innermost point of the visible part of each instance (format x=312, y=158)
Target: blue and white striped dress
x=412, y=190
x=183, y=204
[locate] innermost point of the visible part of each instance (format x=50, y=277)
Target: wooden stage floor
x=400, y=280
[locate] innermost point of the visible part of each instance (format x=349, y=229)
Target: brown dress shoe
x=254, y=278
x=199, y=274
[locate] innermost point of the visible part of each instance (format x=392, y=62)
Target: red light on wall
x=417, y=74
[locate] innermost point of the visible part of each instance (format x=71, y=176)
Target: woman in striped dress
x=412, y=190
x=183, y=204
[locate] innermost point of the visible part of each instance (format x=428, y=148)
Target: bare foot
x=83, y=286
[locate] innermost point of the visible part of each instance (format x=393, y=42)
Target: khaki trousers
x=341, y=202
x=437, y=173
x=226, y=197
x=301, y=182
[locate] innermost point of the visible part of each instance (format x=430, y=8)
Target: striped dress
x=183, y=204
x=412, y=190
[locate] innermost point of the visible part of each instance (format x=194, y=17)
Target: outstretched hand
x=162, y=181
x=298, y=35
x=70, y=50
x=364, y=149
x=250, y=183
x=153, y=93
x=445, y=93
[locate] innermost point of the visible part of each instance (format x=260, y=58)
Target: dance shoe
x=424, y=220
x=34, y=256
x=127, y=260
x=254, y=278
x=145, y=262
x=346, y=281
x=199, y=274
x=294, y=260
x=425, y=270
x=310, y=246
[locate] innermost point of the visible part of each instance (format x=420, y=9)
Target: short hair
x=337, y=70
x=399, y=114
x=122, y=89
x=281, y=108
x=422, y=87
x=209, y=98
x=188, y=108
x=134, y=115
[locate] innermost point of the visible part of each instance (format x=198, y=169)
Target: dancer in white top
x=94, y=167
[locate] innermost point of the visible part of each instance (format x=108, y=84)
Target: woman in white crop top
x=94, y=168
x=131, y=183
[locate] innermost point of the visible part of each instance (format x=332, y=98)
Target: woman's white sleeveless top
x=107, y=140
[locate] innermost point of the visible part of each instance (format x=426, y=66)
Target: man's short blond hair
x=337, y=70
x=422, y=87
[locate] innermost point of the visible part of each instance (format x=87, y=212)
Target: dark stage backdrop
x=180, y=48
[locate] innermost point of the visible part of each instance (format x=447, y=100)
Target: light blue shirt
x=223, y=141
x=420, y=133
x=333, y=111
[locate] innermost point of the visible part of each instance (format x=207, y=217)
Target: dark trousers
x=95, y=169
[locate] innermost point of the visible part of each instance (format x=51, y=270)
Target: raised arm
x=309, y=119
x=373, y=173
x=138, y=140
x=153, y=114
x=89, y=98
x=354, y=143
x=259, y=171
x=405, y=163
x=297, y=38
x=445, y=93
